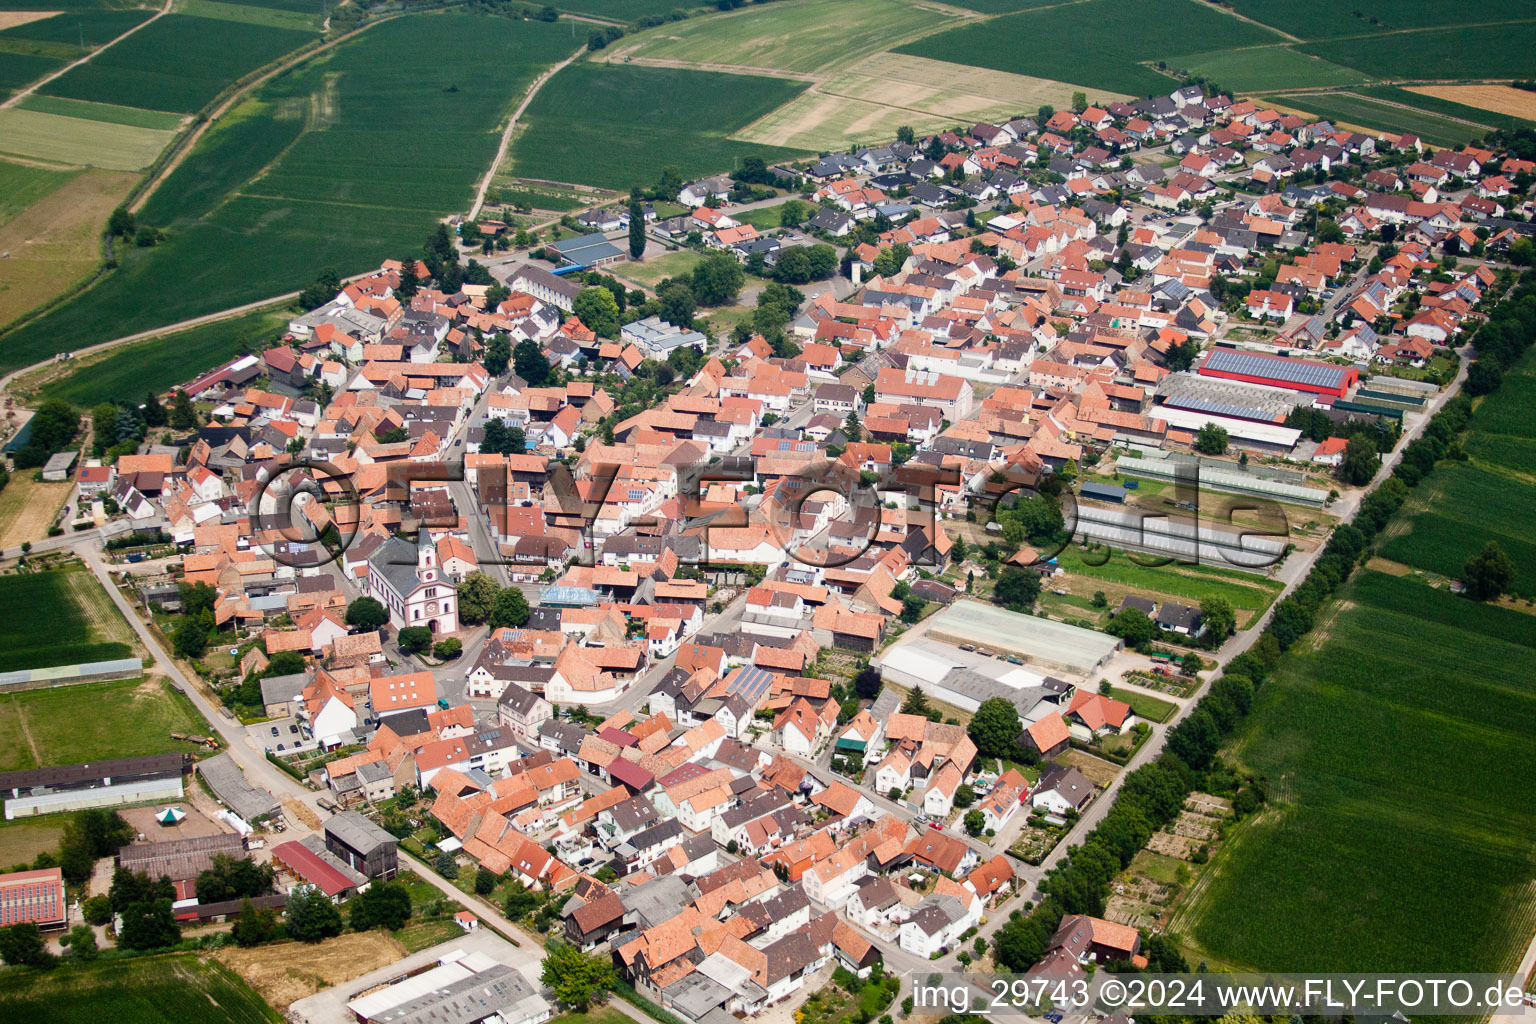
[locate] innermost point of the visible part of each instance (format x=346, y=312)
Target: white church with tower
x=411, y=584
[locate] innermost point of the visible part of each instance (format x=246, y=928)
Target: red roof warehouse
x=1280, y=372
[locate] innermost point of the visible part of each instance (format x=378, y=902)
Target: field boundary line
x=506, y=133
x=29, y=90
x=21, y=720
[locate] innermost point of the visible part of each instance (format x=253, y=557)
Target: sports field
x=74, y=140
x=56, y=241
x=868, y=101
x=148, y=990
x=162, y=363
x=636, y=120
x=82, y=622
x=799, y=36
x=1268, y=67
x=210, y=53
x=1396, y=747
x=424, y=95
x=1108, y=40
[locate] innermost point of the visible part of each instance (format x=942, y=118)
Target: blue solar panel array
x=750, y=683
x=1315, y=375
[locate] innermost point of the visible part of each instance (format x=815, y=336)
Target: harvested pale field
x=1501, y=99
x=869, y=100
x=79, y=142
x=291, y=970
x=27, y=507
x=1098, y=771
x=15, y=19
x=53, y=244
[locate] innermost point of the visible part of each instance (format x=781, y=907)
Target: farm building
x=73, y=787
x=588, y=251
x=1103, y=492
x=33, y=897
x=1041, y=643
x=1280, y=372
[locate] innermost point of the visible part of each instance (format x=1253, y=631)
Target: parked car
x=274, y=730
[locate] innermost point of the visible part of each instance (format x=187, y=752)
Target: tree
x=579, y=980
x=311, y=915
x=1133, y=626
x=485, y=882
x=677, y=304
x=254, y=926
x=717, y=280
x=190, y=638
x=446, y=865
x=415, y=639
x=477, y=593
x=367, y=613
x=995, y=727
x=1183, y=355
x=793, y=265
x=447, y=650
x=529, y=361
x=498, y=353
x=183, y=415
x=1211, y=439
x=965, y=796
x=232, y=879
x=597, y=308
x=519, y=901
x=890, y=259
x=96, y=909
x=1079, y=101
x=148, y=925
x=1219, y=620
x=21, y=945
x=916, y=702
x=975, y=822
x=509, y=609
x=636, y=230
x=1488, y=573
x=383, y=905
x=1017, y=589
x=81, y=942
x=867, y=683
x=154, y=413
x=1360, y=461
x=912, y=608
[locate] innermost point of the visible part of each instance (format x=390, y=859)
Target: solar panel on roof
x=1275, y=368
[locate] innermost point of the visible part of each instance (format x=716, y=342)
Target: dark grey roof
x=357, y=833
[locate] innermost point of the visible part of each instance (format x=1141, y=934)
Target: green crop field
x=1194, y=583
x=791, y=36
x=1001, y=6
x=88, y=28
x=1397, y=750
x=1474, y=51
x=637, y=120
x=91, y=721
x=19, y=69
x=1369, y=113
x=1098, y=43
x=252, y=14
x=210, y=53
x=1462, y=505
x=624, y=11
x=424, y=96
x=22, y=185
x=111, y=113
x=83, y=624
x=154, y=990
x=162, y=363
x=1270, y=67
x=1326, y=19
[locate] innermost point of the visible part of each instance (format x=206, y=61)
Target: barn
x=1280, y=372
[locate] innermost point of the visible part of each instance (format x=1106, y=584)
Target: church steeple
x=426, y=556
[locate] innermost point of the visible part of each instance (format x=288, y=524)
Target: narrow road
x=66, y=69
x=506, y=135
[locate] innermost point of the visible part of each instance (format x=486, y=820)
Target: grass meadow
x=127, y=718
x=109, y=113
x=1396, y=748
x=21, y=185
x=1189, y=583
x=169, y=989
x=635, y=120
x=210, y=53
x=347, y=160
x=36, y=135
x=1270, y=67
x=1098, y=43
